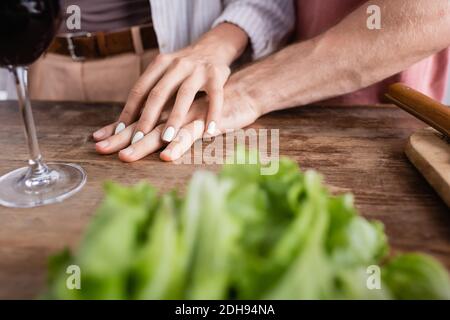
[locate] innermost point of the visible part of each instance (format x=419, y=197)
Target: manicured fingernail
x=137, y=137
x=99, y=133
x=120, y=127
x=169, y=134
x=102, y=144
x=128, y=151
x=211, y=128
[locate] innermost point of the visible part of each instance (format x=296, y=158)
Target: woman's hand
x=202, y=67
x=238, y=112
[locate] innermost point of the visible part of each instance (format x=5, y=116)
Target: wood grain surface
x=357, y=149
x=430, y=154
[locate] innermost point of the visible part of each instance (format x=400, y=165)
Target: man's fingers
x=104, y=132
x=147, y=145
x=116, y=142
x=157, y=98
x=138, y=94
x=185, y=98
x=184, y=140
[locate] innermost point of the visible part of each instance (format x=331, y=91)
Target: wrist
x=238, y=93
x=224, y=43
x=285, y=79
x=254, y=86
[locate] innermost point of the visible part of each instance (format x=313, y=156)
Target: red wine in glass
x=27, y=27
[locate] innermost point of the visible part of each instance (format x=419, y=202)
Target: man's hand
x=349, y=56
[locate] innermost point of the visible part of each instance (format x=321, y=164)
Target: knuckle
x=200, y=68
x=186, y=91
x=218, y=71
x=156, y=94
x=162, y=58
x=218, y=74
x=181, y=62
x=176, y=115
x=212, y=68
x=137, y=91
x=198, y=71
x=215, y=89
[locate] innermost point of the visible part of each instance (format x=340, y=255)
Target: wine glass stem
x=35, y=161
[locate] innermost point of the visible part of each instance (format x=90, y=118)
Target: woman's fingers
x=141, y=89
x=215, y=109
x=185, y=98
x=158, y=97
x=184, y=140
x=116, y=142
x=212, y=78
x=217, y=77
x=104, y=132
x=152, y=140
x=147, y=145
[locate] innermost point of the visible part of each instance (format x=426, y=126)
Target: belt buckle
x=71, y=46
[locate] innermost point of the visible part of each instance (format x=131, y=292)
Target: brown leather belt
x=84, y=45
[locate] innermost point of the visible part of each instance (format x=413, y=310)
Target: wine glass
x=27, y=28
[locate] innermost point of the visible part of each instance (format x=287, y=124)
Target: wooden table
x=357, y=149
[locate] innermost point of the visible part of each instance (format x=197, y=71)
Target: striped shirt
x=266, y=22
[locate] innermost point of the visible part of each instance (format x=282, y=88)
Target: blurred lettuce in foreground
x=239, y=235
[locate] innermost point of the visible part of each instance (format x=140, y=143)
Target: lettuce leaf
x=240, y=235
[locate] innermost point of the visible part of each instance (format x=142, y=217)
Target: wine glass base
x=61, y=182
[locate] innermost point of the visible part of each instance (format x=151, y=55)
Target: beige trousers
x=57, y=77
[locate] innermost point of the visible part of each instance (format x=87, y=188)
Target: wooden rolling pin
x=421, y=106
x=425, y=149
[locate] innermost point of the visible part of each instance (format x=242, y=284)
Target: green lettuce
x=240, y=235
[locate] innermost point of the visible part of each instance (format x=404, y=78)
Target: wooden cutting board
x=430, y=154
